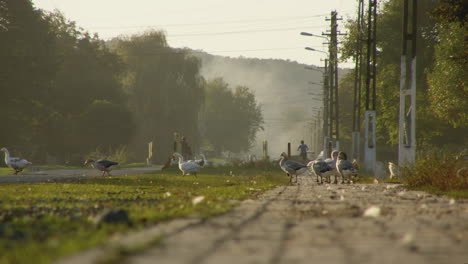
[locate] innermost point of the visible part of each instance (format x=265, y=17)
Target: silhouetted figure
x=303, y=148
x=186, y=150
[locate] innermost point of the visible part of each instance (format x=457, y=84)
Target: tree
x=433, y=74
x=231, y=118
x=27, y=67
x=164, y=89
x=102, y=124
x=447, y=78
x=50, y=72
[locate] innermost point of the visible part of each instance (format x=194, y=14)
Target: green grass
x=457, y=194
x=43, y=221
x=5, y=171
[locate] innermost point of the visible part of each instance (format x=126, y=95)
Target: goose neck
x=7, y=154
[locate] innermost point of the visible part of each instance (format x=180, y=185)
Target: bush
x=445, y=174
x=119, y=154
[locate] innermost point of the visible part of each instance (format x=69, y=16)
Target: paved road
x=310, y=223
x=69, y=174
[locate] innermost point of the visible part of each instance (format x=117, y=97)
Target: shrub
x=437, y=173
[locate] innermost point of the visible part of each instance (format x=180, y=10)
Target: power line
x=211, y=23
x=237, y=32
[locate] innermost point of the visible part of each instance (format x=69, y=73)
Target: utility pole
x=319, y=132
x=333, y=79
x=370, y=114
x=356, y=134
x=326, y=120
x=407, y=121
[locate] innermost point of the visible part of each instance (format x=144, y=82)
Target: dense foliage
x=441, y=63
x=65, y=93
x=164, y=89
x=231, y=118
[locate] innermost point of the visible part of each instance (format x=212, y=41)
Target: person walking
x=303, y=148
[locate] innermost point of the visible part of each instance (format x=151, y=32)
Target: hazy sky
x=249, y=28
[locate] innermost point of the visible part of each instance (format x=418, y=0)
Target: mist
x=281, y=88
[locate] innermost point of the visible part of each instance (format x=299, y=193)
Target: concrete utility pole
x=370, y=115
x=356, y=133
x=326, y=120
x=407, y=128
x=318, y=131
x=333, y=129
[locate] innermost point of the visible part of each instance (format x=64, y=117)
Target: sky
x=248, y=28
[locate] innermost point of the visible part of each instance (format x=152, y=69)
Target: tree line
x=65, y=93
x=442, y=105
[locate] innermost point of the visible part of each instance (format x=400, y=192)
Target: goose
x=291, y=167
x=18, y=164
x=325, y=168
x=393, y=168
x=187, y=167
x=345, y=168
x=322, y=169
x=103, y=165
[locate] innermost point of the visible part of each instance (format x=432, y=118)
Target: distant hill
x=283, y=90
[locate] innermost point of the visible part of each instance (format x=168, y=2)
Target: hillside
x=283, y=90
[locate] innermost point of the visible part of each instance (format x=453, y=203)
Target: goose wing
x=320, y=166
x=345, y=165
x=294, y=165
x=18, y=163
x=190, y=166
x=106, y=163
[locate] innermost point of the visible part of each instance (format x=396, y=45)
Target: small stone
x=372, y=211
x=112, y=216
x=198, y=199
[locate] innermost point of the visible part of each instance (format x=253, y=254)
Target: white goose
x=393, y=168
x=187, y=167
x=18, y=164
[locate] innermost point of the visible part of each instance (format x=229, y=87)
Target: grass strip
x=41, y=222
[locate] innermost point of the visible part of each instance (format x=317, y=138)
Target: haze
x=257, y=29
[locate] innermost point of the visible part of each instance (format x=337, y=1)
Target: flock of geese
x=337, y=165
x=105, y=166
